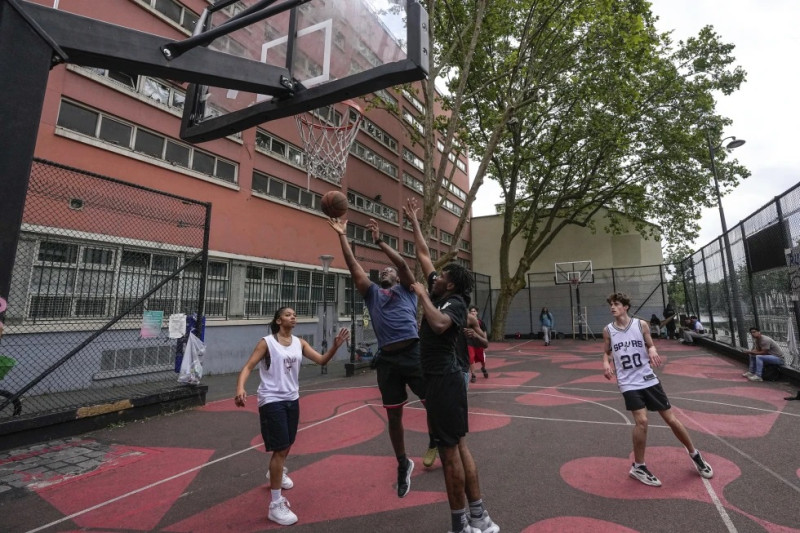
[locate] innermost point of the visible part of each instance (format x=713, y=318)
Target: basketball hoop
x=574, y=282
x=326, y=146
x=574, y=278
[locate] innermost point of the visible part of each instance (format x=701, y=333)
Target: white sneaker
x=747, y=374
x=280, y=513
x=755, y=377
x=484, y=524
x=286, y=481
x=644, y=475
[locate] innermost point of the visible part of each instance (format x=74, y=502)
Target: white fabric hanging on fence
x=791, y=341
x=192, y=364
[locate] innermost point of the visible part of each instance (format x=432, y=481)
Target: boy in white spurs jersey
x=628, y=340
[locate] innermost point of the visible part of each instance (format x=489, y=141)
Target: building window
x=372, y=207
x=413, y=183
x=464, y=245
x=418, y=105
x=272, y=186
x=173, y=11
x=359, y=233
x=414, y=121
x=445, y=238
x=126, y=135
x=278, y=148
x=409, y=248
x=412, y=158
x=370, y=157
x=376, y=132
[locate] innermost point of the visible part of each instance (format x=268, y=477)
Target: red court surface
x=550, y=435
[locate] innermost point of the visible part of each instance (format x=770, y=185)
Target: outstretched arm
x=360, y=278
x=403, y=271
x=322, y=359
x=423, y=253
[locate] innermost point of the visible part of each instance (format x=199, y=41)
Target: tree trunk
x=504, y=298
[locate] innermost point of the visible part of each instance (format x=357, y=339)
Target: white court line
x=746, y=455
x=176, y=476
x=720, y=508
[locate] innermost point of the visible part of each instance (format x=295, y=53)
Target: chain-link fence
x=751, y=278
x=581, y=311
x=100, y=267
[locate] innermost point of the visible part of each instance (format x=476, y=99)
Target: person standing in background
x=546, y=321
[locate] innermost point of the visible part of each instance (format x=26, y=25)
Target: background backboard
x=568, y=271
x=333, y=49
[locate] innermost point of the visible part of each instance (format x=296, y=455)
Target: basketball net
x=326, y=146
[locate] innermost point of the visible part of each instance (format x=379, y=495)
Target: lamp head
x=326, y=262
x=735, y=143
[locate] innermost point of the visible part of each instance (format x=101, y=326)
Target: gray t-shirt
x=772, y=348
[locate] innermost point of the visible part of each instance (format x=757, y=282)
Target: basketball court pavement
x=550, y=435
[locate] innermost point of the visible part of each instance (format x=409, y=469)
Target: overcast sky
x=765, y=110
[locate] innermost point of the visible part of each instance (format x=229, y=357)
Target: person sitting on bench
x=692, y=327
x=765, y=352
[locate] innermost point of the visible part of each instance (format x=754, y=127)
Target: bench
x=791, y=374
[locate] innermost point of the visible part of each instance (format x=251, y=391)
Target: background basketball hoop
x=574, y=278
x=327, y=146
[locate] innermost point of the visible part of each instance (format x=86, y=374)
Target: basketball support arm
x=94, y=43
x=34, y=38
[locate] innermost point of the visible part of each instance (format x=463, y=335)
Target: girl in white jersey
x=628, y=340
x=277, y=357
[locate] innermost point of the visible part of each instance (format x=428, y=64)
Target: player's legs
x=639, y=434
x=392, y=385
x=472, y=486
x=453, y=476
x=678, y=429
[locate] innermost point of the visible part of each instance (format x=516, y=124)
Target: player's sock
x=476, y=508
x=637, y=465
x=276, y=494
x=457, y=519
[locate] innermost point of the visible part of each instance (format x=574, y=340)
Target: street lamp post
x=326, y=263
x=737, y=305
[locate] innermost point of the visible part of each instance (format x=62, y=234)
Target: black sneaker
x=485, y=373
x=643, y=474
x=703, y=468
x=472, y=379
x=404, y=478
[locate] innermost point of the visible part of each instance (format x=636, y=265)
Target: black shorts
x=446, y=401
x=279, y=424
x=654, y=398
x=393, y=378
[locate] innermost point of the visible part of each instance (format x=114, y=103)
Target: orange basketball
x=334, y=204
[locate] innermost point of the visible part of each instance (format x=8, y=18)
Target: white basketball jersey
x=631, y=360
x=279, y=382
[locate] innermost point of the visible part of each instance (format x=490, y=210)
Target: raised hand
x=338, y=225
x=410, y=209
x=373, y=227
x=341, y=337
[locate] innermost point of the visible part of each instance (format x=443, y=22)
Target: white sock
x=694, y=453
x=276, y=494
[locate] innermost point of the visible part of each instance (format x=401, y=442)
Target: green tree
x=595, y=109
